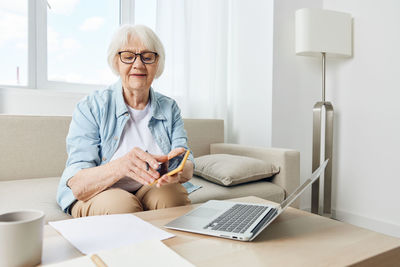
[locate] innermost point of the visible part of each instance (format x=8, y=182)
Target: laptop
x=236, y=220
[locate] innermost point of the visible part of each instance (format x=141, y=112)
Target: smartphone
x=173, y=165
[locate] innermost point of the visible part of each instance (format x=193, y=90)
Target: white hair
x=146, y=35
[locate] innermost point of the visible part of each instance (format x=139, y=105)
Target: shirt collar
x=121, y=106
x=155, y=106
x=120, y=102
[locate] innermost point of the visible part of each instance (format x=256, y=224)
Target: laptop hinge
x=265, y=220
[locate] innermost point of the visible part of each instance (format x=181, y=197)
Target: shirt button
x=115, y=137
x=104, y=158
x=126, y=114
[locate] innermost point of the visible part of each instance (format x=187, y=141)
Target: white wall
x=364, y=91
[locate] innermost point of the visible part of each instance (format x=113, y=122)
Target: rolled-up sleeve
x=83, y=148
x=179, y=135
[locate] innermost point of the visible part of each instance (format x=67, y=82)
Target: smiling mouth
x=137, y=75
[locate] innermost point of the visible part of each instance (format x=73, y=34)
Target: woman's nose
x=138, y=63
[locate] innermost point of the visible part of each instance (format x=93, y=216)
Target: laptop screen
x=304, y=186
x=295, y=194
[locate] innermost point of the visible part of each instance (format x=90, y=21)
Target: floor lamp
x=323, y=33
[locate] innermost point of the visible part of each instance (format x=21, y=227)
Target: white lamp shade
x=319, y=30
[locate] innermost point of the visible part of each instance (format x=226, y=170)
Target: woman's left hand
x=173, y=179
x=165, y=179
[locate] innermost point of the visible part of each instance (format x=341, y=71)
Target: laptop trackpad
x=203, y=212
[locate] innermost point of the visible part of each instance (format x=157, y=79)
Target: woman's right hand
x=139, y=165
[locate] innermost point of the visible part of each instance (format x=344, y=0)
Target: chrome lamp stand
x=316, y=150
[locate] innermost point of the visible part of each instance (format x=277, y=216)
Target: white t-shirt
x=136, y=133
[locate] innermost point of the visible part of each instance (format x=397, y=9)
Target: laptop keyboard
x=237, y=219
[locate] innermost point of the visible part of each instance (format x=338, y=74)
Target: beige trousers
x=116, y=200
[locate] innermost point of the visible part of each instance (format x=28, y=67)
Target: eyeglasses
x=129, y=57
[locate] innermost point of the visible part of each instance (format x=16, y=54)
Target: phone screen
x=171, y=164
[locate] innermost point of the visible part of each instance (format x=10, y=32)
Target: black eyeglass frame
x=138, y=54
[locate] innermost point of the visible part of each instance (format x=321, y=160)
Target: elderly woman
x=119, y=135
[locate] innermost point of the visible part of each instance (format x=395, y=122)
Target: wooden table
x=295, y=238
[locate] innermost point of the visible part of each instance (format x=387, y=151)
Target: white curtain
x=195, y=35
x=219, y=63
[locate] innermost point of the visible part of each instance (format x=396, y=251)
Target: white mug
x=21, y=238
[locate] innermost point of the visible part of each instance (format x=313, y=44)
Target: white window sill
x=53, y=88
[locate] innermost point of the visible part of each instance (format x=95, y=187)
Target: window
x=14, y=42
x=62, y=44
x=78, y=33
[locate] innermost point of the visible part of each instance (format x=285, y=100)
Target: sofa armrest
x=286, y=159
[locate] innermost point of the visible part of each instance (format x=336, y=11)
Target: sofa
x=33, y=156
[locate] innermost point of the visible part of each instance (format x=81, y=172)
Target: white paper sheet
x=96, y=233
x=148, y=253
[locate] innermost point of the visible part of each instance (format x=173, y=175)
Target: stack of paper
x=97, y=233
x=148, y=253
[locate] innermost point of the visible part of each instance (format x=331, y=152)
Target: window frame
x=37, y=49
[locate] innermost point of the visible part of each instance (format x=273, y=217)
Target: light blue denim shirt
x=97, y=125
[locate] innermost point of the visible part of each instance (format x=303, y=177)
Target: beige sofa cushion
x=228, y=170
x=32, y=146
x=37, y=193
x=209, y=190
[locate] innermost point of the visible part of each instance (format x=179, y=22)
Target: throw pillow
x=230, y=170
